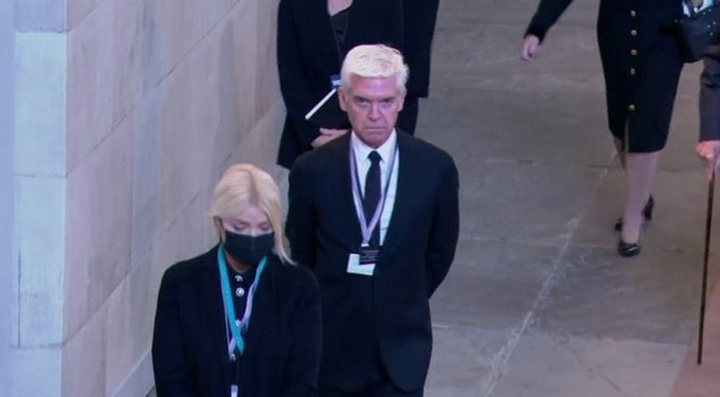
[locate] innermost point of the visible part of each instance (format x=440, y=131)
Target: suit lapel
x=403, y=194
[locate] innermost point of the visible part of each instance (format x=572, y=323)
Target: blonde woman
x=239, y=320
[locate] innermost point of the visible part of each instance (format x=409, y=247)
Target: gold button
x=633, y=32
x=632, y=71
x=633, y=13
x=634, y=52
x=631, y=108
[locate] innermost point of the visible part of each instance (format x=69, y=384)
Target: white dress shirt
x=386, y=151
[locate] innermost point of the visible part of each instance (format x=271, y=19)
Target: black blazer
x=418, y=249
x=282, y=351
x=420, y=18
x=710, y=96
x=308, y=56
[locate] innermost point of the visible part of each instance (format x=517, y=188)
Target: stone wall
x=6, y=188
x=144, y=104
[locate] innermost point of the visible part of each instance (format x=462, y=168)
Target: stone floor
x=538, y=303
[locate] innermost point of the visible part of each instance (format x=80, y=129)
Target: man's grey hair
x=374, y=61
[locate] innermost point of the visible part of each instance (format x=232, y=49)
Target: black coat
x=308, y=56
x=641, y=61
x=420, y=18
x=388, y=312
x=710, y=96
x=282, y=351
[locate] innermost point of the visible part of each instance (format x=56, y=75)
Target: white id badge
x=234, y=391
x=354, y=266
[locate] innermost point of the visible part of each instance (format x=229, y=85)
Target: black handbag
x=698, y=30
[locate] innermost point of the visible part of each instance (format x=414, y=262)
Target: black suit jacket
x=282, y=352
x=308, y=55
x=419, y=247
x=710, y=95
x=420, y=19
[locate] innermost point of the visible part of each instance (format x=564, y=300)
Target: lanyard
x=368, y=228
x=235, y=325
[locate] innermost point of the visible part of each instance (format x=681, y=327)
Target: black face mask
x=249, y=250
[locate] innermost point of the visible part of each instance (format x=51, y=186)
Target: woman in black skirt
x=641, y=64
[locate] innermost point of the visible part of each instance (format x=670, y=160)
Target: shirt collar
x=362, y=151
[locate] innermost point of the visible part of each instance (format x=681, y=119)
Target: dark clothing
x=641, y=61
x=407, y=119
x=385, y=317
x=282, y=352
x=340, y=24
x=710, y=96
x=420, y=19
x=308, y=56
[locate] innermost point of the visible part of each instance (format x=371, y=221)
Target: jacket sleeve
x=291, y=70
x=303, y=365
x=710, y=96
x=172, y=373
x=445, y=230
x=548, y=12
x=301, y=224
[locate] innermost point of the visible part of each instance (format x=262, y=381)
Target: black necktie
x=372, y=195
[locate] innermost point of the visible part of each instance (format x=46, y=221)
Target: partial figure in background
x=420, y=19
x=709, y=147
x=239, y=320
x=313, y=38
x=641, y=61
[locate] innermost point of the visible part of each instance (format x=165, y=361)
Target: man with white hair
x=375, y=214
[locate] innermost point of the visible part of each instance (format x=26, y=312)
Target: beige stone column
x=127, y=112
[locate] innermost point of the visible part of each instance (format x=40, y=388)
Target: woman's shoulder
x=191, y=268
x=291, y=274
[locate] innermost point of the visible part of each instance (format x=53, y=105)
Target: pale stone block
x=39, y=227
x=84, y=359
x=99, y=225
x=40, y=16
x=130, y=323
x=260, y=146
x=40, y=64
x=140, y=381
x=175, y=28
x=36, y=372
x=268, y=82
x=77, y=10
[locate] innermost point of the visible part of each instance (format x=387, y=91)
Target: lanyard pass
x=233, y=391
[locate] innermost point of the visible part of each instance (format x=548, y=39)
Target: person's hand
x=530, y=48
x=326, y=135
x=709, y=153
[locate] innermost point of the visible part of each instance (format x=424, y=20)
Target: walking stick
x=708, y=229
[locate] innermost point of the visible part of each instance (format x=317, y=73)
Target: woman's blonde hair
x=243, y=186
x=374, y=61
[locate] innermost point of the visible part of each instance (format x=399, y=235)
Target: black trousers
x=379, y=388
x=407, y=120
x=379, y=385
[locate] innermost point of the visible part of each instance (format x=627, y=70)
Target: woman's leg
x=639, y=172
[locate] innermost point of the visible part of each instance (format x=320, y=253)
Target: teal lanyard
x=237, y=341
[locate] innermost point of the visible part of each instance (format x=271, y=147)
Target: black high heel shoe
x=628, y=250
x=647, y=213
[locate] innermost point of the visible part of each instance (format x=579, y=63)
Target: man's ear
x=343, y=97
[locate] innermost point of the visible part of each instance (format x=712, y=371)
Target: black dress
x=641, y=64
